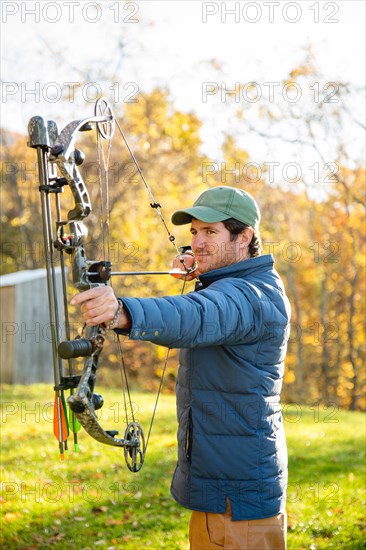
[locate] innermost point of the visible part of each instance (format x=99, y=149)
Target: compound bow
x=58, y=162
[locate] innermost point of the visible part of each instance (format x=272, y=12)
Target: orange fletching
x=60, y=424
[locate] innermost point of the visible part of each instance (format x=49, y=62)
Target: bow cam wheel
x=103, y=108
x=134, y=448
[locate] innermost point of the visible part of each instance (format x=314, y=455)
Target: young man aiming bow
x=232, y=333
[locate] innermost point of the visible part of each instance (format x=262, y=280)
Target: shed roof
x=19, y=277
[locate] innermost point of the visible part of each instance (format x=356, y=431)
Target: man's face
x=213, y=248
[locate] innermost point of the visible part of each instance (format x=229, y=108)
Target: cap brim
x=202, y=213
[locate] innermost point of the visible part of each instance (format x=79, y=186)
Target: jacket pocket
x=189, y=437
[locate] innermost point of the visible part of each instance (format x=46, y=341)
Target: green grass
x=92, y=501
x=326, y=492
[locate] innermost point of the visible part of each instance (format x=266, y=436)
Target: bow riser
x=77, y=186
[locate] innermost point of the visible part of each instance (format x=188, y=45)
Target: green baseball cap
x=219, y=204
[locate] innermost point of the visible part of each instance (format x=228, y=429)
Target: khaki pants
x=215, y=531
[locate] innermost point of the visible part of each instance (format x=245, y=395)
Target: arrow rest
x=99, y=272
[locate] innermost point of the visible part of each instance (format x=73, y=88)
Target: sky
x=191, y=47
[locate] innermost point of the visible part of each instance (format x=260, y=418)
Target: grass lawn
x=91, y=500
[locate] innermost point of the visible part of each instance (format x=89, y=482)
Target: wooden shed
x=26, y=352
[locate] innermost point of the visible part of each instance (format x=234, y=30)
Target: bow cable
x=103, y=162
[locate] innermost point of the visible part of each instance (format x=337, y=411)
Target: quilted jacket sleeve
x=226, y=313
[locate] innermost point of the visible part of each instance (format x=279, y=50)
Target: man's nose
x=197, y=242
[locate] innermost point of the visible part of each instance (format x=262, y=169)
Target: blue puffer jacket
x=232, y=332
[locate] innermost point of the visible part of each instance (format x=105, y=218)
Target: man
x=232, y=459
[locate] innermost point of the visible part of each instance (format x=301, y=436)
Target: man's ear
x=246, y=236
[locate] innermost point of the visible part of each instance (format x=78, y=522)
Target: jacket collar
x=239, y=269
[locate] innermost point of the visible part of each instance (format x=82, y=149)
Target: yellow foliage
x=319, y=247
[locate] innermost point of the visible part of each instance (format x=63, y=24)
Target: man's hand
x=99, y=305
x=182, y=263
